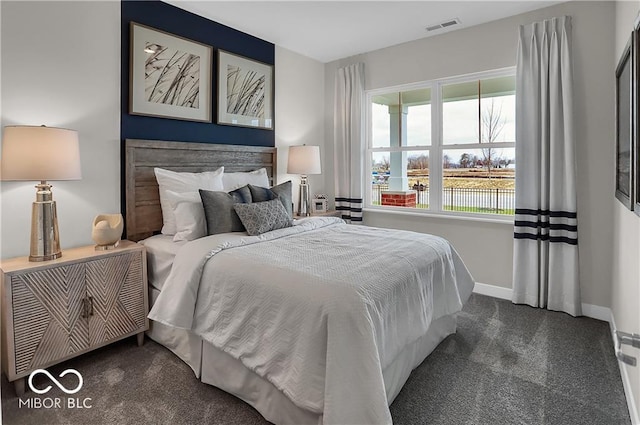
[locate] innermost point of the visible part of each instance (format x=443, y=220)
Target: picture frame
x=319, y=205
x=635, y=53
x=245, y=92
x=625, y=158
x=169, y=76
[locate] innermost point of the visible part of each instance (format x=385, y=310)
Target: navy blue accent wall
x=171, y=19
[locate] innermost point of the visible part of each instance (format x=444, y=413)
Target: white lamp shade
x=304, y=160
x=40, y=153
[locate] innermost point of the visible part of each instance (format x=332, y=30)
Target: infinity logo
x=55, y=381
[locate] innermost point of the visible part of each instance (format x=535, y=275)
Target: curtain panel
x=349, y=151
x=545, y=269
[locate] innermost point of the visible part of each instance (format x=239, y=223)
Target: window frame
x=435, y=150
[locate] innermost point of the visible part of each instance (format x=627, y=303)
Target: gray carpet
x=506, y=364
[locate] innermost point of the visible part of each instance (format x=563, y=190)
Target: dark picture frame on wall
x=169, y=76
x=635, y=53
x=625, y=157
x=245, y=92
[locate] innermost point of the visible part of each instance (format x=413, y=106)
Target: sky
x=460, y=125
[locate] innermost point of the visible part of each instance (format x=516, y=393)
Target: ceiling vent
x=444, y=24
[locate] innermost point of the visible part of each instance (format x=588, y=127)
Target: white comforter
x=318, y=309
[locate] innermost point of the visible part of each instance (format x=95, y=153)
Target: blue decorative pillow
x=281, y=191
x=261, y=217
x=219, y=212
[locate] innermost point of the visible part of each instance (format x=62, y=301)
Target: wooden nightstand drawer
x=116, y=297
x=45, y=317
x=58, y=309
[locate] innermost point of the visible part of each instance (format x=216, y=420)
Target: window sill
x=445, y=216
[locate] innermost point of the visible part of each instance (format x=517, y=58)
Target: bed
x=321, y=322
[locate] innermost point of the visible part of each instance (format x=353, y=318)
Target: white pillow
x=232, y=181
x=181, y=183
x=189, y=214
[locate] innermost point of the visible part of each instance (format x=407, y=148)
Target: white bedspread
x=318, y=309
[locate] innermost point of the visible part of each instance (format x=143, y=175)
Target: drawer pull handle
x=87, y=307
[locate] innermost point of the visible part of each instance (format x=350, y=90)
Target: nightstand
x=55, y=310
x=330, y=213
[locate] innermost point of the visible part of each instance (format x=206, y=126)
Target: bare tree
x=490, y=129
x=505, y=162
x=465, y=160
x=418, y=162
x=385, y=164
x=446, y=161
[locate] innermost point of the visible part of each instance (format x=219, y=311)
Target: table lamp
x=304, y=160
x=41, y=153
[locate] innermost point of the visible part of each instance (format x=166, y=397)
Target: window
x=444, y=146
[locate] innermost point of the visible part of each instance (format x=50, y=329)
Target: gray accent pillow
x=281, y=191
x=218, y=209
x=261, y=217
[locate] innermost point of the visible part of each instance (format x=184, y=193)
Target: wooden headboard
x=143, y=215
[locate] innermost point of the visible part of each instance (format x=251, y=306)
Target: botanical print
x=172, y=77
x=624, y=133
x=245, y=92
x=623, y=163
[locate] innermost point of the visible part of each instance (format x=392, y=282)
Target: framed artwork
x=636, y=107
x=624, y=127
x=169, y=76
x=245, y=92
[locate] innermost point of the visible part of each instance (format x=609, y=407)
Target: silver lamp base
x=45, y=240
x=304, y=209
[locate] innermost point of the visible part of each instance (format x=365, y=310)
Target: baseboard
x=493, y=291
x=624, y=374
x=596, y=312
x=588, y=310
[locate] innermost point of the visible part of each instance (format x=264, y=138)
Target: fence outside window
x=490, y=201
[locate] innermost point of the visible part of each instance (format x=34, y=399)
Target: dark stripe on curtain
x=344, y=208
x=544, y=225
x=350, y=208
x=351, y=200
x=553, y=239
x=566, y=214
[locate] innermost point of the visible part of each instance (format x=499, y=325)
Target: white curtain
x=545, y=269
x=349, y=149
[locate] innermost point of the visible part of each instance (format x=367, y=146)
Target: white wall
x=299, y=113
x=487, y=247
x=626, y=230
x=61, y=67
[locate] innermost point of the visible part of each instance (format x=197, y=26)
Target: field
x=469, y=178
x=473, y=190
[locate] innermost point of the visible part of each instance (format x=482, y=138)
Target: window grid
x=437, y=147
